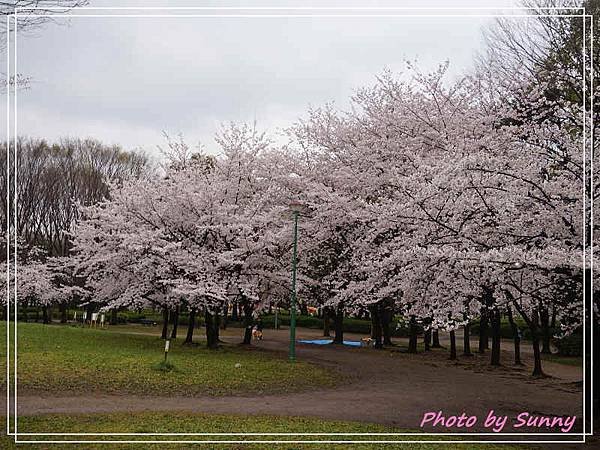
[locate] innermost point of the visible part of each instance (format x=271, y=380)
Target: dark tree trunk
x=165, y=323
x=533, y=324
x=516, y=337
x=535, y=338
x=483, y=332
x=376, y=328
x=386, y=320
x=217, y=322
x=114, y=319
x=427, y=339
x=303, y=309
x=225, y=316
x=248, y=322
x=212, y=327
x=190, y=330
x=89, y=309
x=467, y=339
x=452, y=344
x=435, y=339
x=412, y=335
x=175, y=321
x=537, y=358
x=546, y=332
x=496, y=338
x=25, y=316
x=234, y=312
x=338, y=324
x=326, y=332
x=46, y=315
x=63, y=313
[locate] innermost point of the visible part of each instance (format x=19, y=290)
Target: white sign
x=167, y=346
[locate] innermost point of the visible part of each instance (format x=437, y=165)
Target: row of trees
x=443, y=201
x=42, y=187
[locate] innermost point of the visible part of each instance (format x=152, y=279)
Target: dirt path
x=386, y=387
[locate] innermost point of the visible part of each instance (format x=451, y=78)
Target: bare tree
x=53, y=178
x=33, y=13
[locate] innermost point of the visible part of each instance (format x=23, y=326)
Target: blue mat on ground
x=327, y=341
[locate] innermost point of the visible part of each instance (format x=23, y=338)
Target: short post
x=167, y=342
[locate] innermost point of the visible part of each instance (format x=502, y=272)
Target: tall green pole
x=293, y=299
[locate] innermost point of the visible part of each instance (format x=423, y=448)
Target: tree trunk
x=546, y=332
x=496, y=338
x=25, y=316
x=303, y=309
x=435, y=339
x=326, y=332
x=467, y=339
x=338, y=324
x=63, y=312
x=234, y=312
x=225, y=316
x=46, y=315
x=175, y=321
x=452, y=344
x=376, y=328
x=537, y=358
x=427, y=339
x=212, y=337
x=165, y=323
x=89, y=309
x=483, y=332
x=190, y=330
x=386, y=320
x=247, y=322
x=412, y=335
x=114, y=319
x=533, y=323
x=516, y=337
x=217, y=324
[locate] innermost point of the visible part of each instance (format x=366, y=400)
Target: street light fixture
x=296, y=207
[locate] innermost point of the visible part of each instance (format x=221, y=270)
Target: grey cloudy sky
x=125, y=80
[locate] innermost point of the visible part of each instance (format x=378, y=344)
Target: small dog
x=256, y=334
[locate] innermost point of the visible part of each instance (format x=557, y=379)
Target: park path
x=384, y=387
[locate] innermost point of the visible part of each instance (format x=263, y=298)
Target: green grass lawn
x=567, y=360
x=202, y=423
x=68, y=359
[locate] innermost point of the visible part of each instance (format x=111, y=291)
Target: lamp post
x=296, y=207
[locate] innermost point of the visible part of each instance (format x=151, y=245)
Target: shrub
x=571, y=345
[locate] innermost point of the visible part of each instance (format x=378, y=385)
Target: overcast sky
x=125, y=80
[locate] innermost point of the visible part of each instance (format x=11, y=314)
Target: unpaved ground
x=387, y=387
